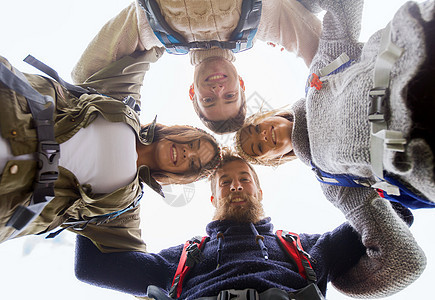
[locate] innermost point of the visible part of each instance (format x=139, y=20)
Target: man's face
x=238, y=197
x=217, y=89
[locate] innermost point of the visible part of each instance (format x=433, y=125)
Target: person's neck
x=197, y=56
x=145, y=155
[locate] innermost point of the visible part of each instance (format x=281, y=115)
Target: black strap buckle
x=48, y=156
x=377, y=107
x=194, y=255
x=246, y=294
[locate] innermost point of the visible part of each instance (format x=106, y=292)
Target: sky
x=57, y=32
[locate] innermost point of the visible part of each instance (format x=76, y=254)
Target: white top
x=102, y=155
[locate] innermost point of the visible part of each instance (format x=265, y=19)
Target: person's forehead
x=233, y=168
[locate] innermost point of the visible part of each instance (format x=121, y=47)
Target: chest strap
x=48, y=152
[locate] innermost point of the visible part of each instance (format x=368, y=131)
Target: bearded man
x=243, y=257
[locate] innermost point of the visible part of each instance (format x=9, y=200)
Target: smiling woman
x=93, y=157
x=180, y=154
x=265, y=138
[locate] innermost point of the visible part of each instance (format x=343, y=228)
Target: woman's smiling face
x=182, y=158
x=271, y=138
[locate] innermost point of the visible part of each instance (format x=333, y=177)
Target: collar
x=145, y=176
x=146, y=136
x=235, y=228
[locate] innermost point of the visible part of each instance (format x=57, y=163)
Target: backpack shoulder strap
x=190, y=255
x=248, y=24
x=291, y=244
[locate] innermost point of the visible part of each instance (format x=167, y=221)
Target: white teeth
x=174, y=154
x=216, y=77
x=273, y=137
x=237, y=200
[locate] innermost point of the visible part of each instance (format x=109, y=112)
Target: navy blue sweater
x=242, y=263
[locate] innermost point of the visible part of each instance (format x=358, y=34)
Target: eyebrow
x=241, y=173
x=226, y=102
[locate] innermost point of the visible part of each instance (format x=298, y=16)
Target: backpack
x=241, y=38
x=191, y=254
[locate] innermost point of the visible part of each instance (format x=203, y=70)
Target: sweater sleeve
x=129, y=272
x=290, y=24
x=120, y=234
x=122, y=36
x=124, y=77
x=392, y=259
x=341, y=30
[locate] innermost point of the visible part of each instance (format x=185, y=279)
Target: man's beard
x=249, y=212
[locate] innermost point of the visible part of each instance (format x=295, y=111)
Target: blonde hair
x=256, y=119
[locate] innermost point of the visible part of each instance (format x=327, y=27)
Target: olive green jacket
x=75, y=202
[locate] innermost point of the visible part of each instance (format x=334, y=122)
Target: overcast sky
x=57, y=32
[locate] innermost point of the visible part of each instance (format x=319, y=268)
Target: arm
x=392, y=258
x=341, y=29
x=119, y=37
x=129, y=272
x=118, y=235
x=290, y=24
x=124, y=77
x=116, y=60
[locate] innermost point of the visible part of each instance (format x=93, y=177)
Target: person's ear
x=242, y=83
x=260, y=194
x=213, y=201
x=191, y=92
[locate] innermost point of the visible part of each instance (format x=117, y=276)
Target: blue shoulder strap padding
x=407, y=198
x=241, y=38
x=339, y=179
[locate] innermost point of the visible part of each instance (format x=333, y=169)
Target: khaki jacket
x=75, y=202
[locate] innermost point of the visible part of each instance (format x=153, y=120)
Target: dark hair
x=228, y=156
x=184, y=134
x=223, y=126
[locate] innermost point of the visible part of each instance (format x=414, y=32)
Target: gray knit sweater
x=331, y=129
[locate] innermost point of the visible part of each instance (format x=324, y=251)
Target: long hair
x=184, y=134
x=255, y=119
